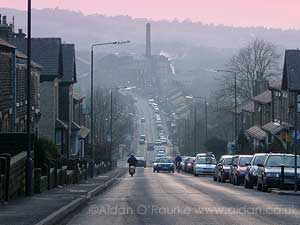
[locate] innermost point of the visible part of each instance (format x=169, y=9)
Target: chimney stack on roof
x=148, y=40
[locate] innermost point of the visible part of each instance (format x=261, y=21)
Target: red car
x=238, y=168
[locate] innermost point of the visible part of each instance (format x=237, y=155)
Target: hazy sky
x=269, y=13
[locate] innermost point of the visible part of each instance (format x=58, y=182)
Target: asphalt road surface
x=181, y=199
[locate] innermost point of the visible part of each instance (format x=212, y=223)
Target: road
x=147, y=128
x=182, y=199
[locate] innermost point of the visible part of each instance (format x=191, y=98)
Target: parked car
x=204, y=165
x=164, y=140
x=269, y=172
x=158, y=142
x=141, y=162
x=238, y=168
x=251, y=171
x=188, y=164
x=222, y=170
x=182, y=162
x=163, y=164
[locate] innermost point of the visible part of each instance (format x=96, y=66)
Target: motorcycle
x=132, y=170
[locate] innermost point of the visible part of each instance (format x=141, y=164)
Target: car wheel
x=173, y=171
x=153, y=171
x=263, y=187
x=157, y=171
x=222, y=178
x=215, y=178
x=237, y=182
x=258, y=185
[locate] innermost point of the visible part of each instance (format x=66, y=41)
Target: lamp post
x=92, y=90
x=195, y=117
x=28, y=113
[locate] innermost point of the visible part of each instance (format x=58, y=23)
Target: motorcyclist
x=132, y=161
x=177, y=162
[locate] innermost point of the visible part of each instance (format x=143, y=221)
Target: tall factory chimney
x=148, y=40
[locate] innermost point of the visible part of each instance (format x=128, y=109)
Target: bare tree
x=253, y=64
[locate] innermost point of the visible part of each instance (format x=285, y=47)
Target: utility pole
x=235, y=111
x=92, y=95
x=28, y=121
x=195, y=127
x=206, y=134
x=111, y=126
x=296, y=102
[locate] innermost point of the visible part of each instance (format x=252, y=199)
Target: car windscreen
x=227, y=161
x=165, y=160
x=258, y=159
x=278, y=160
x=244, y=160
x=206, y=160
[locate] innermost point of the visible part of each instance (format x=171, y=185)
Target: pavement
x=53, y=205
x=181, y=199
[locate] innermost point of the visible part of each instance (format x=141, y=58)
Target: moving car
x=222, y=170
x=150, y=147
x=163, y=164
x=238, y=168
x=142, y=139
x=269, y=172
x=189, y=165
x=158, y=142
x=141, y=162
x=204, y=165
x=251, y=171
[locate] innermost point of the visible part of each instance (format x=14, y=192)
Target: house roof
x=256, y=133
x=291, y=70
x=263, y=98
x=274, y=128
x=77, y=97
x=249, y=107
x=275, y=85
x=6, y=44
x=84, y=131
x=68, y=63
x=75, y=126
x=61, y=125
x=46, y=52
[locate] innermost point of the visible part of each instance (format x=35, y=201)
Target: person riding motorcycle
x=132, y=161
x=178, y=160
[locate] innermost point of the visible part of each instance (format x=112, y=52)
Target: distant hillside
x=83, y=30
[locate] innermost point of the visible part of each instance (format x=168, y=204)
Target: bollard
x=282, y=177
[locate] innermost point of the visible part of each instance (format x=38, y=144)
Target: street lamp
x=92, y=89
x=195, y=117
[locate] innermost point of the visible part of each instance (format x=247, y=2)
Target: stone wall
x=17, y=175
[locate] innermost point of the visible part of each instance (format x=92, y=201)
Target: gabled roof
x=291, y=71
x=68, y=63
x=249, y=107
x=256, y=133
x=275, y=85
x=263, y=98
x=6, y=44
x=275, y=128
x=46, y=52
